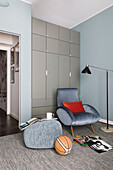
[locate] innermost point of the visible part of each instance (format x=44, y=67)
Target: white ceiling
x=67, y=13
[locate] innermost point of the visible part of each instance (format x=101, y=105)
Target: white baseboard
x=14, y=116
x=105, y=121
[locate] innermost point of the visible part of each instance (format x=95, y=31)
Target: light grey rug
x=15, y=156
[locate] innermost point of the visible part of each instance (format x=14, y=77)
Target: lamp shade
x=86, y=70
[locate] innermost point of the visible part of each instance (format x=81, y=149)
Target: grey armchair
x=68, y=118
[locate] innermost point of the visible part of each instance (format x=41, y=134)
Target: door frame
x=8, y=48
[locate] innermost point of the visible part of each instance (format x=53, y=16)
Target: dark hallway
x=3, y=79
x=8, y=125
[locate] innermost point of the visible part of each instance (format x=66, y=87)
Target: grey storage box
x=42, y=134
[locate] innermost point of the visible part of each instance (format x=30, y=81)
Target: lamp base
x=109, y=130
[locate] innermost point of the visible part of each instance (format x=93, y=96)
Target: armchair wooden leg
x=72, y=131
x=92, y=128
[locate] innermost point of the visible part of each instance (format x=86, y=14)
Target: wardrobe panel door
x=38, y=75
x=38, y=26
x=63, y=71
x=52, y=30
x=75, y=37
x=75, y=50
x=52, y=45
x=52, y=77
x=64, y=34
x=39, y=43
x=64, y=48
x=75, y=72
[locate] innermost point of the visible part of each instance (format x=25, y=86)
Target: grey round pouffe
x=42, y=134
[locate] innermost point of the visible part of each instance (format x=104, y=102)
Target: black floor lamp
x=87, y=71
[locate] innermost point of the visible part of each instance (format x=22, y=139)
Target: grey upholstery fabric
x=74, y=119
x=65, y=115
x=42, y=134
x=67, y=95
x=66, y=110
x=90, y=109
x=84, y=118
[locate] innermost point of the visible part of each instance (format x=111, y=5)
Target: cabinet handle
x=46, y=72
x=70, y=74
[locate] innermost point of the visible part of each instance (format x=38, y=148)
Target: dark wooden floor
x=8, y=125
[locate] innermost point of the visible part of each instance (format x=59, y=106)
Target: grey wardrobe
x=55, y=63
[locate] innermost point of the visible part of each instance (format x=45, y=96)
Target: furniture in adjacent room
x=42, y=134
x=55, y=63
x=68, y=118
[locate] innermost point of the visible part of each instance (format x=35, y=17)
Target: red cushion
x=74, y=107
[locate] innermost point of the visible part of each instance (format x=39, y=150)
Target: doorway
x=9, y=83
x=3, y=80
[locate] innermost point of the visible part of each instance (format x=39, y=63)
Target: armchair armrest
x=90, y=109
x=65, y=115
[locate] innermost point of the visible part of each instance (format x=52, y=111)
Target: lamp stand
x=107, y=129
x=86, y=70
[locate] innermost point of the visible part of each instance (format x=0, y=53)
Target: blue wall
x=17, y=19
x=96, y=39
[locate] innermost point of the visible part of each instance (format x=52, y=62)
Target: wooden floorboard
x=8, y=125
